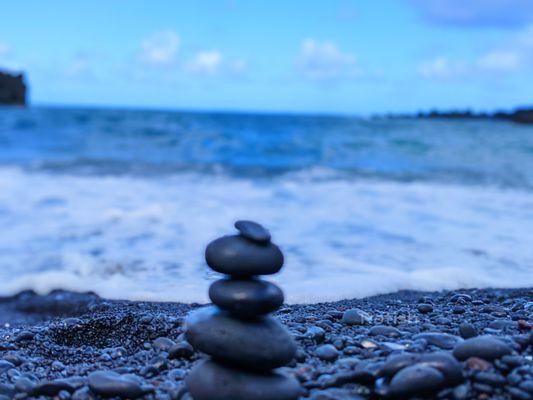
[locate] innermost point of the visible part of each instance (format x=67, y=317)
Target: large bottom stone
x=246, y=298
x=212, y=381
x=261, y=344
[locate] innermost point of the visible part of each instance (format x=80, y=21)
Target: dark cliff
x=12, y=89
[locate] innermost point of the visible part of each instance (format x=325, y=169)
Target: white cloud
x=442, y=68
x=510, y=56
x=325, y=61
x=160, y=49
x=213, y=62
x=499, y=61
x=492, y=62
x=206, y=62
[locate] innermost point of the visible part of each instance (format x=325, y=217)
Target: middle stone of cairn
x=245, y=344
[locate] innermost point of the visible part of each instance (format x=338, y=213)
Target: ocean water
x=123, y=202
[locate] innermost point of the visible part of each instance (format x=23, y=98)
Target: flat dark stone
x=384, y=330
x=238, y=256
x=335, y=394
x=246, y=297
x=52, y=388
x=490, y=378
x=253, y=231
x=25, y=385
x=446, y=364
x=442, y=361
x=442, y=340
x=397, y=362
x=417, y=381
x=111, y=384
x=262, y=343
x=424, y=308
x=212, y=381
x=485, y=347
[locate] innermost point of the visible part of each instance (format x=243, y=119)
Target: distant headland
x=523, y=115
x=12, y=89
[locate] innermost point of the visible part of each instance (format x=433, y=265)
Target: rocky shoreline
x=467, y=344
x=523, y=115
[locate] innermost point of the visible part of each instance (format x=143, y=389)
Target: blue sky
x=300, y=56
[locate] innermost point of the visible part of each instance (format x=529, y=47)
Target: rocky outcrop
x=12, y=89
x=520, y=115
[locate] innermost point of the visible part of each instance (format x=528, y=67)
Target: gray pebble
x=416, y=380
x=111, y=384
x=485, y=347
x=315, y=333
x=162, y=343
x=355, y=316
x=442, y=340
x=181, y=350
x=327, y=352
x=384, y=330
x=467, y=330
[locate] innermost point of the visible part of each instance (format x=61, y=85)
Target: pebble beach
x=466, y=344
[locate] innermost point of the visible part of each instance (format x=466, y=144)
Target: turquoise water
x=123, y=202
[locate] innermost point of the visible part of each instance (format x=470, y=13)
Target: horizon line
x=330, y=114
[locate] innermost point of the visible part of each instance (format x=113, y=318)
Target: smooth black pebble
x=111, y=384
x=238, y=256
x=486, y=347
x=384, y=330
x=446, y=364
x=467, y=330
x=442, y=340
x=416, y=380
x=261, y=343
x=246, y=298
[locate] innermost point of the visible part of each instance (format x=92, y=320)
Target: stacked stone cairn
x=244, y=343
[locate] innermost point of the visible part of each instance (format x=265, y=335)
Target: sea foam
x=127, y=237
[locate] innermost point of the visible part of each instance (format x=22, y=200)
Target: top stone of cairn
x=253, y=231
x=247, y=254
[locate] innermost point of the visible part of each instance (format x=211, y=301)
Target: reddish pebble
x=478, y=364
x=523, y=325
